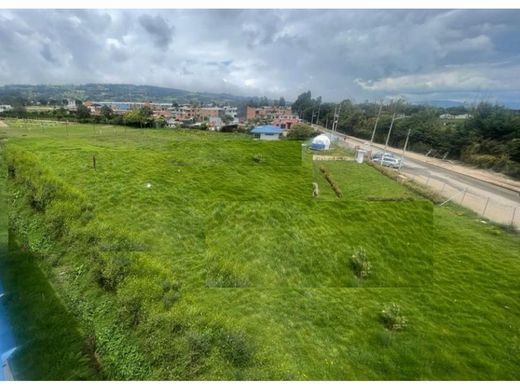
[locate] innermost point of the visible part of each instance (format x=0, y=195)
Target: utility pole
x=388, y=137
x=318, y=118
x=337, y=110
x=404, y=149
x=334, y=117
x=375, y=126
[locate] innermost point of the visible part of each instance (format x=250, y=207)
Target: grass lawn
x=198, y=255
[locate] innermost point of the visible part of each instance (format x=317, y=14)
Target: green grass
x=50, y=343
x=228, y=268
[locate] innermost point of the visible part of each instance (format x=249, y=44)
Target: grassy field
x=195, y=255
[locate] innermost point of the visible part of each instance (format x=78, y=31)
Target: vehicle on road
x=380, y=154
x=388, y=161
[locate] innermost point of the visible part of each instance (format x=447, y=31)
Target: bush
x=360, y=264
x=236, y=348
x=301, y=131
x=112, y=271
x=392, y=318
x=130, y=310
x=199, y=344
x=171, y=293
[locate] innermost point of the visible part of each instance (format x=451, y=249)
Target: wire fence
x=485, y=206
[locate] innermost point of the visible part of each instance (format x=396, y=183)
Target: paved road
x=502, y=192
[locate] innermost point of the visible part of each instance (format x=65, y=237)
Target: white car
x=388, y=161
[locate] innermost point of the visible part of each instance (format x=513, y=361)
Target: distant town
x=210, y=116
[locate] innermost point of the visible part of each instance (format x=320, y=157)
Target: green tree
x=301, y=131
x=146, y=112
x=227, y=119
x=302, y=103
x=106, y=113
x=82, y=113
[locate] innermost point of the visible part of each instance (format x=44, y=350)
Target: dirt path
x=3, y=124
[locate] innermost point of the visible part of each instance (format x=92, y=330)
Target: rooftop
x=266, y=130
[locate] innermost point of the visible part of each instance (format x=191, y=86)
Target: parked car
x=380, y=154
x=388, y=161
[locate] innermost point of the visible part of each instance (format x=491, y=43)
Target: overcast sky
x=422, y=55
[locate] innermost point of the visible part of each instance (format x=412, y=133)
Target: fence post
x=428, y=179
x=443, y=186
x=513, y=217
x=485, y=207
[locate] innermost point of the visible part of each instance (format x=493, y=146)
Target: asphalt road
x=417, y=168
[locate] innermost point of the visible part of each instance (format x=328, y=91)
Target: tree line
x=141, y=117
x=488, y=137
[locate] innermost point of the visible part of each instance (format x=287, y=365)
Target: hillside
x=112, y=92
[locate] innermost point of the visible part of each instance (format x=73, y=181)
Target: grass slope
x=225, y=267
x=50, y=343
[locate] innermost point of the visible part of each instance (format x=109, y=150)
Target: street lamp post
x=388, y=137
x=375, y=126
x=404, y=149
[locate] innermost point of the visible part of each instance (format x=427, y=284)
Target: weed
x=392, y=318
x=360, y=265
x=236, y=347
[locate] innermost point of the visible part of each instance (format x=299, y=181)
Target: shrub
x=171, y=293
x=360, y=264
x=170, y=298
x=112, y=271
x=236, y=348
x=199, y=344
x=301, y=131
x=392, y=318
x=11, y=172
x=130, y=310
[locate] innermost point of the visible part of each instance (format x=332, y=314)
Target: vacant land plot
x=195, y=255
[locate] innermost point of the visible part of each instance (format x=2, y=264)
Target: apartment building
x=281, y=117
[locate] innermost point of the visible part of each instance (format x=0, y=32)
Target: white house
x=231, y=112
x=451, y=116
x=215, y=123
x=5, y=107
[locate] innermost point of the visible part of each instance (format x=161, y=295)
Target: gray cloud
x=362, y=54
x=157, y=27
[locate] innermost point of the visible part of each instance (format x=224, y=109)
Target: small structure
x=360, y=155
x=321, y=142
x=267, y=133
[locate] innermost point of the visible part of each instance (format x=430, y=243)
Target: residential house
x=267, y=133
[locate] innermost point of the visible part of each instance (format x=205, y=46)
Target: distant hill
x=515, y=105
x=114, y=92
x=442, y=103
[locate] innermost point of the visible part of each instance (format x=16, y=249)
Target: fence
x=485, y=206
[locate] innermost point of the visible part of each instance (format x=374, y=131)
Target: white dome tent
x=320, y=142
